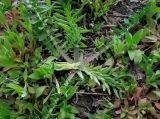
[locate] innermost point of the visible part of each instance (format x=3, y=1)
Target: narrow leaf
x=138, y=36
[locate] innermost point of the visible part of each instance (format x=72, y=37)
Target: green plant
x=132, y=42
x=118, y=46
x=98, y=7
x=4, y=110
x=152, y=76
x=137, y=112
x=51, y=50
x=66, y=19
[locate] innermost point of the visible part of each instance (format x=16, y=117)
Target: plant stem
x=76, y=54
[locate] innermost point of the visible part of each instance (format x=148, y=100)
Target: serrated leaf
x=138, y=56
x=4, y=110
x=6, y=62
x=59, y=66
x=135, y=55
x=64, y=26
x=60, y=19
x=68, y=91
x=131, y=54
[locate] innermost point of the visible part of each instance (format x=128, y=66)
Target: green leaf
x=129, y=39
x=21, y=117
x=41, y=72
x=131, y=54
x=25, y=74
x=17, y=88
x=61, y=20
x=3, y=20
x=138, y=36
x=85, y=1
x=31, y=90
x=46, y=70
x=7, y=4
x=6, y=62
x=68, y=91
x=138, y=56
x=59, y=66
x=37, y=75
x=4, y=110
x=123, y=115
x=48, y=2
x=40, y=90
x=118, y=46
x=158, y=73
x=80, y=74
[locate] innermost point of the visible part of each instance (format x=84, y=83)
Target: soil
x=87, y=103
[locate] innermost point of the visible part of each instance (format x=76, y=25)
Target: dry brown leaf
x=157, y=104
x=157, y=92
x=130, y=117
x=117, y=102
x=152, y=96
x=137, y=95
x=133, y=112
x=137, y=92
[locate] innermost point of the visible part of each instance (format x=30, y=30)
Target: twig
x=76, y=54
x=120, y=15
x=88, y=93
x=109, y=26
x=57, y=85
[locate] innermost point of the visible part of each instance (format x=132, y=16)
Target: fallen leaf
x=157, y=104
x=133, y=112
x=117, y=102
x=157, y=92
x=152, y=96
x=40, y=106
x=137, y=95
x=118, y=112
x=130, y=117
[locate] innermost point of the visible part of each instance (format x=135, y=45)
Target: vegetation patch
x=79, y=59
